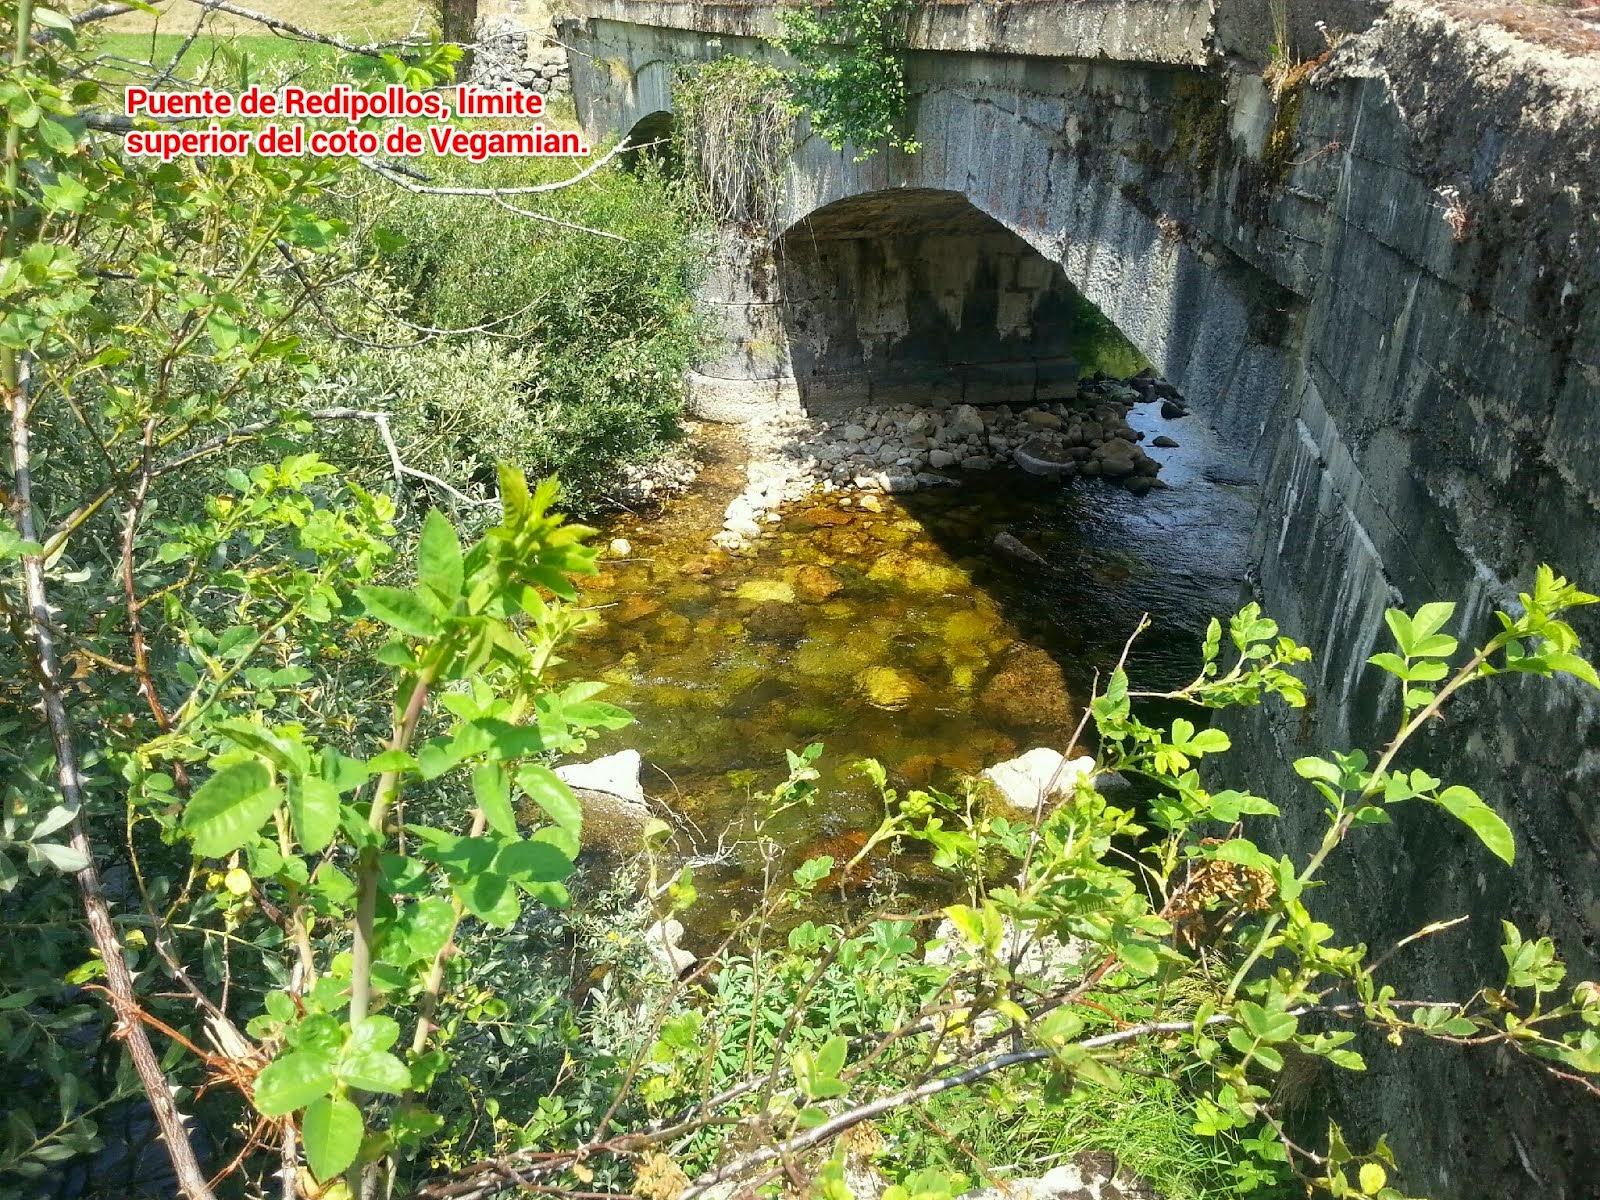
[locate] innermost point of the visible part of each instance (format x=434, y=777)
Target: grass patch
x=1148, y=1126
x=358, y=20
x=225, y=60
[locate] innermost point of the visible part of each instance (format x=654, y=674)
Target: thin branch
x=119, y=979
x=299, y=32
x=395, y=177
x=65, y=526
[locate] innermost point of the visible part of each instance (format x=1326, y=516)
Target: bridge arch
x=911, y=295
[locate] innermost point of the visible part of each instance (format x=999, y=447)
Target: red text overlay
x=394, y=122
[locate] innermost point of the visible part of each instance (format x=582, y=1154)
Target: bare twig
x=395, y=177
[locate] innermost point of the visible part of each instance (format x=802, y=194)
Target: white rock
x=662, y=939
x=1022, y=780
x=964, y=419
x=1069, y=1182
x=620, y=547
x=615, y=774
x=614, y=808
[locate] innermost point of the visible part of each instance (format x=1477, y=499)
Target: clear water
x=901, y=634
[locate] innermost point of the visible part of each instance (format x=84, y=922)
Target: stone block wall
x=961, y=310
x=513, y=55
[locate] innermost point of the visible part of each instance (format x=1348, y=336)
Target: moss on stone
x=1198, y=121
x=1277, y=152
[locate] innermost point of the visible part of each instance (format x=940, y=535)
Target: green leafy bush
x=852, y=80
x=279, y=793
x=574, y=344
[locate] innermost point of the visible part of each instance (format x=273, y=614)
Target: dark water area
x=892, y=627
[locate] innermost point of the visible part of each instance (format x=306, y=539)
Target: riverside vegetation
x=287, y=877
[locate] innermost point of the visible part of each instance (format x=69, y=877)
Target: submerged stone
x=1028, y=689
x=918, y=574
x=766, y=591
x=885, y=687
x=816, y=584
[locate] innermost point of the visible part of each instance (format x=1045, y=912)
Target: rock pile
x=777, y=473
x=510, y=57
x=903, y=448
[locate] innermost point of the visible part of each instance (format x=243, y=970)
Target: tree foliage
x=852, y=76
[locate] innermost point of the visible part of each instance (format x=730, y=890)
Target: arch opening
x=653, y=139
x=915, y=295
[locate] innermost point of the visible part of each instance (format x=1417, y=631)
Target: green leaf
x=1266, y=1025
x=439, y=564
x=491, y=898
x=1139, y=957
x=831, y=1057
x=1431, y=618
x=62, y=858
x=229, y=808
x=345, y=773
x=57, y=136
x=428, y=926
x=1575, y=665
x=1392, y=663
x=532, y=862
x=293, y=1081
x=1436, y=645
x=596, y=714
x=392, y=760
x=511, y=741
x=1400, y=625
x=401, y=609
x=1464, y=804
x=314, y=808
x=376, y=1071
x=546, y=790
x=224, y=332
x=1318, y=768
x=373, y=1034
x=51, y=19
x=492, y=790
x=331, y=1133
x=1209, y=741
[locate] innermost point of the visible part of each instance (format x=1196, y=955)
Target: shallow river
x=901, y=634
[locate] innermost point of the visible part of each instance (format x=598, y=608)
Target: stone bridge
x=1380, y=283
